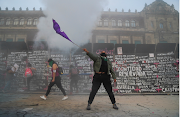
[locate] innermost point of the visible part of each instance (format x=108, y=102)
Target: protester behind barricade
x=74, y=75
x=10, y=75
x=29, y=74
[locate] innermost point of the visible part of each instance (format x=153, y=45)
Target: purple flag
x=58, y=30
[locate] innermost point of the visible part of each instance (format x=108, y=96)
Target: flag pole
x=76, y=45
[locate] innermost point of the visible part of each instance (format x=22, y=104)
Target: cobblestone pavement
x=30, y=105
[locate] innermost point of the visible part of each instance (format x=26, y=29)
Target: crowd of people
x=102, y=69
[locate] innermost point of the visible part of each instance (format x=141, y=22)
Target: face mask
x=103, y=54
x=104, y=58
x=51, y=63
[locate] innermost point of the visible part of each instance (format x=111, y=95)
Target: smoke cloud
x=76, y=18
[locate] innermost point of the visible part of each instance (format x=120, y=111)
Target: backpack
x=28, y=73
x=74, y=71
x=60, y=70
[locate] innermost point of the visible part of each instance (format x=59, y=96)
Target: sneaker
x=43, y=97
x=88, y=107
x=65, y=97
x=115, y=107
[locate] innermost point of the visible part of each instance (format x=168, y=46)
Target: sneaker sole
x=42, y=98
x=65, y=99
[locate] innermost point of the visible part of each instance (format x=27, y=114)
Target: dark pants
x=8, y=84
x=58, y=83
x=97, y=80
x=74, y=81
x=28, y=82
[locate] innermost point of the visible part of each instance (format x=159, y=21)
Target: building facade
x=19, y=25
x=156, y=23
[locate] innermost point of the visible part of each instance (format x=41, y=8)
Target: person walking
x=102, y=67
x=56, y=79
x=74, y=75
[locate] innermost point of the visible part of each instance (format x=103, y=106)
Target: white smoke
x=76, y=18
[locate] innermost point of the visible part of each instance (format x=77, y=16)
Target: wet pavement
x=30, y=105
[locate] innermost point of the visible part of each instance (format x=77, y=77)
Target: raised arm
x=93, y=57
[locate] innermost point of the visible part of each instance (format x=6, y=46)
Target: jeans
x=8, y=84
x=28, y=82
x=97, y=80
x=74, y=81
x=58, y=83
